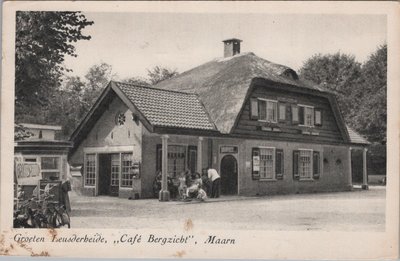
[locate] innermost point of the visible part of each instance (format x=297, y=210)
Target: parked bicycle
x=41, y=213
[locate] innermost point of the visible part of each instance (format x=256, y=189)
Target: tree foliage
x=158, y=74
x=359, y=88
x=43, y=39
x=339, y=73
x=370, y=117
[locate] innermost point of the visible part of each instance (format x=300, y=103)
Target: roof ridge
x=155, y=88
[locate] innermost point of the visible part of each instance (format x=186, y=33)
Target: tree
x=97, y=79
x=43, y=39
x=370, y=118
x=136, y=80
x=339, y=73
x=158, y=74
x=359, y=88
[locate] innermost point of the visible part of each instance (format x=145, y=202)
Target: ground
x=357, y=210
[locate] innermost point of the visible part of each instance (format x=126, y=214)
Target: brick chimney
x=231, y=47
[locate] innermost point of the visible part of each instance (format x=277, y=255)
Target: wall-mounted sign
x=27, y=173
x=229, y=149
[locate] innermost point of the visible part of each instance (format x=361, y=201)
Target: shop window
x=178, y=157
x=126, y=170
x=176, y=160
x=115, y=168
x=267, y=163
x=90, y=170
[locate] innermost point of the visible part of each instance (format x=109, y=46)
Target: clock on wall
x=120, y=119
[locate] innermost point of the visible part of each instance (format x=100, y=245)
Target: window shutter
x=316, y=165
x=296, y=156
x=255, y=166
x=192, y=162
x=279, y=165
x=295, y=114
x=282, y=112
x=301, y=115
x=253, y=109
x=318, y=117
x=158, y=157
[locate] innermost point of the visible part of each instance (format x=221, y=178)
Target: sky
x=135, y=42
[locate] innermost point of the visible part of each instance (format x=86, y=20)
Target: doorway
x=229, y=175
x=108, y=172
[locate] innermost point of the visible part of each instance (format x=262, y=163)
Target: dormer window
x=267, y=110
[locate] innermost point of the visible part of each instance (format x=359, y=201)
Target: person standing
x=216, y=183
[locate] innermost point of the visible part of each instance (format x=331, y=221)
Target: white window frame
x=311, y=164
x=95, y=170
x=38, y=160
x=121, y=172
x=304, y=115
x=266, y=110
x=273, y=164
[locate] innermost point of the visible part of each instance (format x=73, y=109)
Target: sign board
x=27, y=173
x=229, y=149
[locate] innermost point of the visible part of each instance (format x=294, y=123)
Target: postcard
x=251, y=130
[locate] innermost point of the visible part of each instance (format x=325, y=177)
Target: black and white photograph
x=182, y=129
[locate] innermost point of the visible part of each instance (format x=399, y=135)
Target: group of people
x=193, y=185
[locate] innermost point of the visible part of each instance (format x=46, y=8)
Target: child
x=182, y=185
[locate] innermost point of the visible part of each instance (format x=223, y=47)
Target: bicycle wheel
x=62, y=219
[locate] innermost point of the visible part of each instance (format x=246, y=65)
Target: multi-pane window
x=90, y=178
x=176, y=160
x=50, y=167
x=305, y=164
x=267, y=163
x=115, y=168
x=309, y=116
x=306, y=115
x=267, y=110
x=126, y=170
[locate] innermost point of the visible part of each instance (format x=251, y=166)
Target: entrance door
x=229, y=175
x=104, y=174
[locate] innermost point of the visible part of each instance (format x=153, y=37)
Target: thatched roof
x=222, y=84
